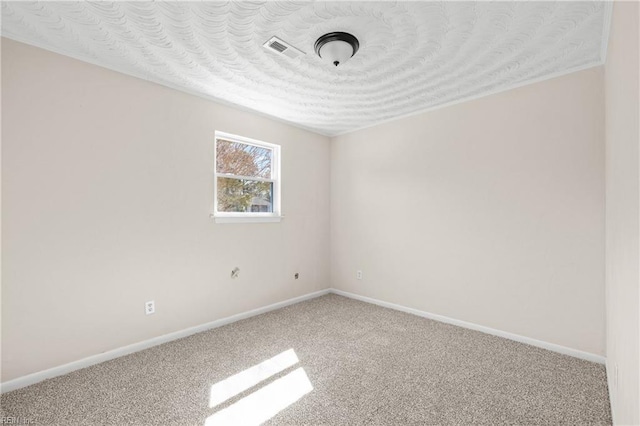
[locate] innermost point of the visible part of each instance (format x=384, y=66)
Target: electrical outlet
x=359, y=275
x=150, y=307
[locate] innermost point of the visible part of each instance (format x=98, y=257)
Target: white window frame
x=244, y=217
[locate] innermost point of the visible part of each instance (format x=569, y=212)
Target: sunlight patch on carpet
x=238, y=383
x=264, y=403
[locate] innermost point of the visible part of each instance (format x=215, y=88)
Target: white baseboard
x=30, y=379
x=518, y=338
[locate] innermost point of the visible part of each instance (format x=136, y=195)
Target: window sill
x=246, y=219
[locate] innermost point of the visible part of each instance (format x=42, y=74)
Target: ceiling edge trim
x=478, y=96
x=170, y=86
x=606, y=30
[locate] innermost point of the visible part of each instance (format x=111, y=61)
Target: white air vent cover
x=281, y=47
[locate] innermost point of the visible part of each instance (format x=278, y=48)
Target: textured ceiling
x=413, y=55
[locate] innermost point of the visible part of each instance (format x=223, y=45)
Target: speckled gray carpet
x=365, y=364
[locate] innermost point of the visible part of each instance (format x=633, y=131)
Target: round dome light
x=337, y=47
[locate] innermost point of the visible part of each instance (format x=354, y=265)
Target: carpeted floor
x=336, y=361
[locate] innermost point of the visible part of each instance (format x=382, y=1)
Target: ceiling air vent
x=281, y=47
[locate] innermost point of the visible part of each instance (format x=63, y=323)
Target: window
x=247, y=180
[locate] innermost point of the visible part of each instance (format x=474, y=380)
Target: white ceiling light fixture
x=337, y=47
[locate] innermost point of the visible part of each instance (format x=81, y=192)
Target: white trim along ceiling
x=413, y=56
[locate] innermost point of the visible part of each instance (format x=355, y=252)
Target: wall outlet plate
x=359, y=275
x=150, y=307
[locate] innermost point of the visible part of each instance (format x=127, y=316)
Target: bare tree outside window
x=243, y=160
x=244, y=177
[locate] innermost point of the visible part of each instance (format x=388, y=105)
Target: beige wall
x=623, y=212
x=490, y=211
x=107, y=189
